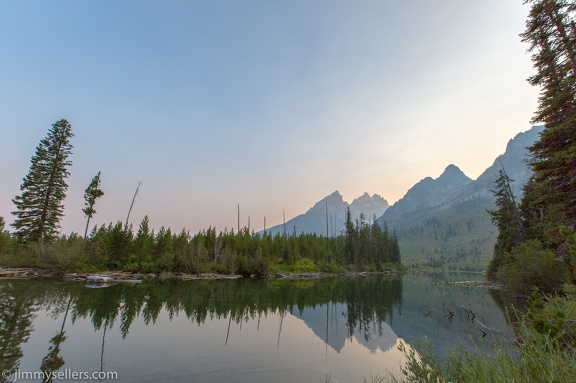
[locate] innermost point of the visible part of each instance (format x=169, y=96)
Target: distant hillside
x=443, y=222
x=314, y=220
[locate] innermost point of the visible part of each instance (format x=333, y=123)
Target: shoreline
x=28, y=273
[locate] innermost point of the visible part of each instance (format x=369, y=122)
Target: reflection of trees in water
x=17, y=311
x=425, y=314
x=513, y=307
x=53, y=360
x=19, y=301
x=370, y=301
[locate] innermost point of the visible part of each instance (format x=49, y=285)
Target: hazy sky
x=268, y=104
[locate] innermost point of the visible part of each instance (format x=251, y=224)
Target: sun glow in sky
x=272, y=105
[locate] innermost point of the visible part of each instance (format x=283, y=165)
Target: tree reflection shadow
x=369, y=302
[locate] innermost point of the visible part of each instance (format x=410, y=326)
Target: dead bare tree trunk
x=132, y=204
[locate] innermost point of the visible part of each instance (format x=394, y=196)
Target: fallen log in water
x=100, y=280
x=27, y=273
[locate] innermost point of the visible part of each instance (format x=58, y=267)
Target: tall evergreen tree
x=91, y=194
x=39, y=207
x=551, y=35
x=351, y=234
x=507, y=219
x=363, y=239
x=537, y=225
x=144, y=241
x=394, y=248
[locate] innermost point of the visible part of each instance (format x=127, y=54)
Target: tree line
x=39, y=209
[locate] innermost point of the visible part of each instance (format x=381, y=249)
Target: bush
x=530, y=267
x=165, y=262
x=247, y=266
x=554, y=316
x=332, y=268
x=495, y=263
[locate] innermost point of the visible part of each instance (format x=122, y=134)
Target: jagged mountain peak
x=333, y=200
x=453, y=174
x=523, y=139
x=333, y=208
x=430, y=192
x=444, y=222
x=364, y=198
x=514, y=161
x=335, y=195
x=370, y=206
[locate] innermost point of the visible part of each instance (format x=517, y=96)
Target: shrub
x=165, y=262
x=495, y=263
x=554, y=316
x=530, y=267
x=248, y=266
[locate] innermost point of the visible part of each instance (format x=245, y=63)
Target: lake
x=333, y=329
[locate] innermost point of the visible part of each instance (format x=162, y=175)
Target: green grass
x=545, y=351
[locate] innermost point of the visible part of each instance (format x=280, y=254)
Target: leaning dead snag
x=132, y=204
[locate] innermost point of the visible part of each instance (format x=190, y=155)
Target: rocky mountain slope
x=443, y=222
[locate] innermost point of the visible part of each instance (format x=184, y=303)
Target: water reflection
x=16, y=316
x=240, y=330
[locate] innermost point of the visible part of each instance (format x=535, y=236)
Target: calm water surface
x=338, y=330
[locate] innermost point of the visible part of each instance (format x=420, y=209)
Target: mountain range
x=332, y=208
x=440, y=222
x=443, y=222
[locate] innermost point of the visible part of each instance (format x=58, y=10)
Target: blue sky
x=272, y=105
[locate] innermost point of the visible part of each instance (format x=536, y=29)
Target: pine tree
x=363, y=240
x=91, y=194
x=39, y=207
x=375, y=239
x=144, y=241
x=119, y=242
x=551, y=35
x=351, y=235
x=394, y=248
x=537, y=225
x=508, y=220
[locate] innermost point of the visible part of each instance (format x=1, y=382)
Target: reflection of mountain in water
x=412, y=320
x=374, y=311
x=329, y=323
x=413, y=324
